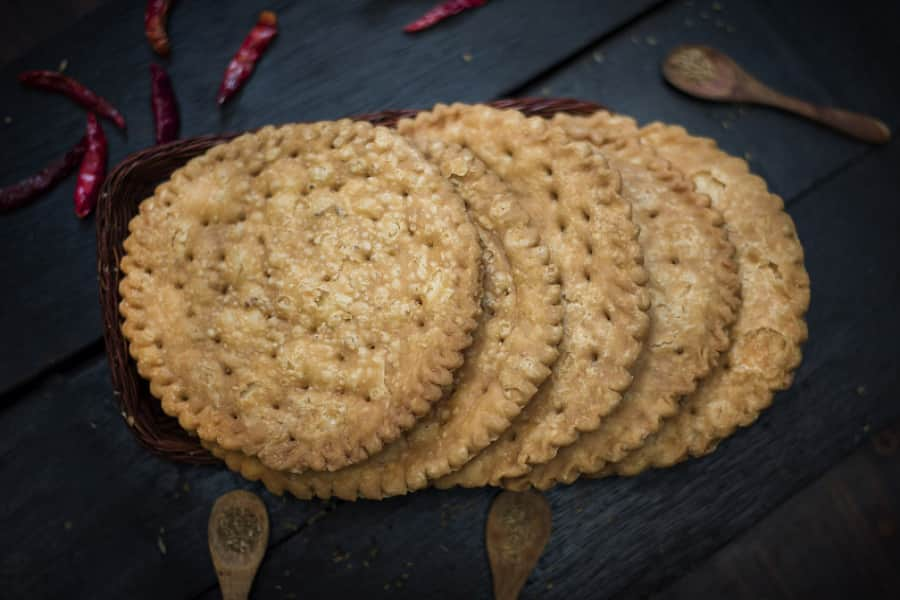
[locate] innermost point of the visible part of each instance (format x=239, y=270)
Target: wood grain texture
x=618, y=536
x=792, y=154
x=843, y=535
x=85, y=501
x=331, y=59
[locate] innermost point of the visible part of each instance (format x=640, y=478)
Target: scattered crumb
x=338, y=556
x=599, y=57
x=161, y=545
x=7, y=119
x=651, y=41
x=287, y=572
x=467, y=57
x=726, y=125
x=366, y=564
x=730, y=29
x=704, y=14
x=373, y=552
x=861, y=390
x=316, y=517
x=444, y=548
x=387, y=587
x=720, y=23
x=688, y=22
x=63, y=65
x=162, y=530
x=409, y=564
x=546, y=90
x=67, y=525
x=130, y=420
x=186, y=487
x=635, y=39
x=92, y=424
x=550, y=586
x=748, y=156
x=716, y=6
x=277, y=587
x=866, y=428
x=405, y=575
x=290, y=595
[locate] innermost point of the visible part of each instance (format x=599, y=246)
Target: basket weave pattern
x=135, y=179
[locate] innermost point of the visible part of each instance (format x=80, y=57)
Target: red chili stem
x=20, y=194
x=92, y=170
x=441, y=12
x=165, y=110
x=54, y=81
x=156, y=16
x=241, y=66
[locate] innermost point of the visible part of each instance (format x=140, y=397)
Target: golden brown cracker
x=573, y=197
x=694, y=291
x=770, y=327
x=508, y=360
x=301, y=293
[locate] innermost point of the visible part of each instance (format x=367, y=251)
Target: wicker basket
x=134, y=180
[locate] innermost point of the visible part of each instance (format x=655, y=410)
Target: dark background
x=804, y=504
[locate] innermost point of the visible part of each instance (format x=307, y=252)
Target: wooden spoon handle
x=235, y=586
x=862, y=127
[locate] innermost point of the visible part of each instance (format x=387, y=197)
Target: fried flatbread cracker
x=573, y=197
x=508, y=360
x=694, y=290
x=302, y=293
x=770, y=326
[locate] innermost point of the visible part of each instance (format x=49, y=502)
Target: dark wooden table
x=87, y=512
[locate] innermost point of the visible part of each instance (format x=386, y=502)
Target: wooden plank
x=848, y=524
x=630, y=536
x=623, y=73
x=613, y=536
x=331, y=59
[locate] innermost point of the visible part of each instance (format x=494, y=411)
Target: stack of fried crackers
x=473, y=298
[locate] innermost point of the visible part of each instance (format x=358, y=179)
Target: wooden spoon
x=518, y=527
x=238, y=536
x=707, y=73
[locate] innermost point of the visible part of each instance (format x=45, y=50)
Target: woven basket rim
x=127, y=185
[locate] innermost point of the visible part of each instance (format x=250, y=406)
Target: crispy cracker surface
x=302, y=293
x=694, y=291
x=508, y=360
x=573, y=197
x=770, y=327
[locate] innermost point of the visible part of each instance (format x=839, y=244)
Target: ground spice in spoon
x=239, y=530
x=694, y=64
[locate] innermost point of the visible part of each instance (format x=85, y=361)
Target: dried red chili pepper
x=241, y=66
x=55, y=81
x=19, y=194
x=155, y=17
x=92, y=170
x=165, y=111
x=441, y=12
